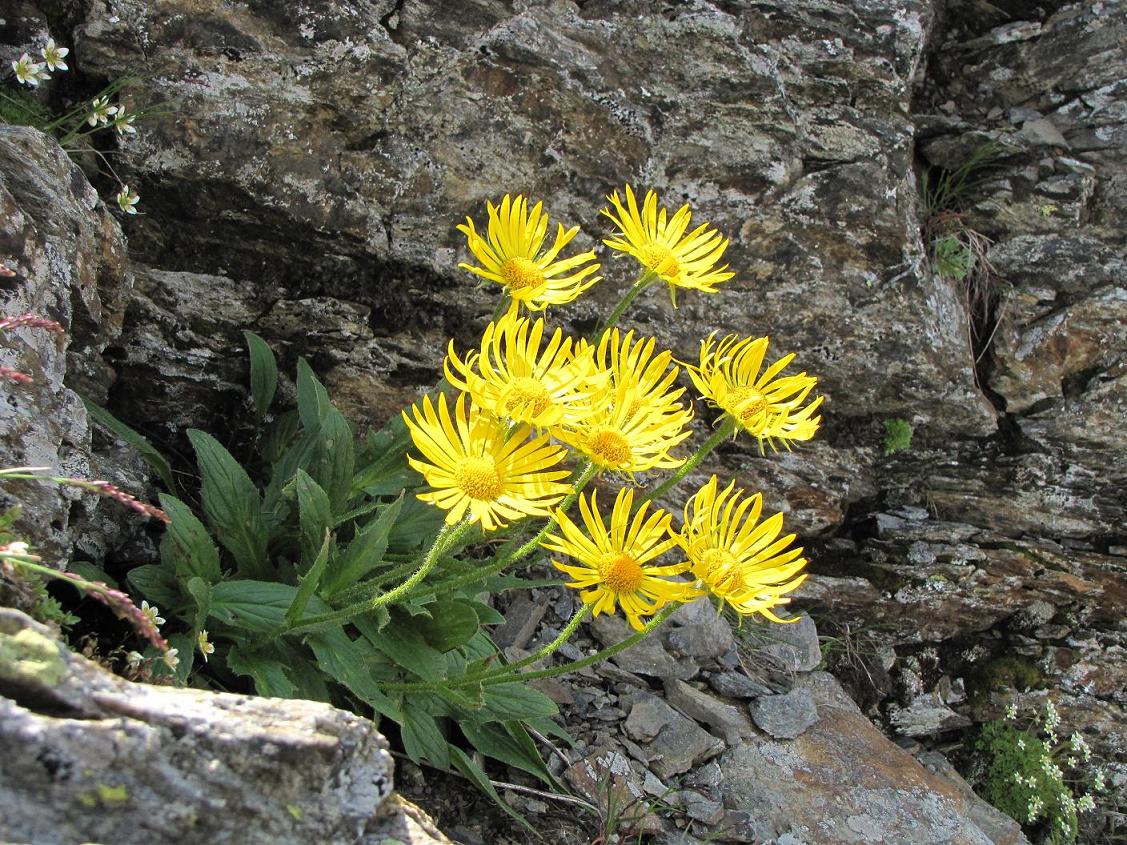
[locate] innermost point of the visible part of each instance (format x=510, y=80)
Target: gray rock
x=727, y=720
x=784, y=716
x=521, y=618
x=647, y=657
x=739, y=685
x=698, y=807
x=701, y=633
x=926, y=715
x=1001, y=829
x=672, y=744
x=1042, y=132
x=96, y=753
x=792, y=647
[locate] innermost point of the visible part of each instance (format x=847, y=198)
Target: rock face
x=91, y=757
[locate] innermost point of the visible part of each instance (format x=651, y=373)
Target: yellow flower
x=474, y=463
x=765, y=406
x=515, y=379
x=643, y=420
x=661, y=245
x=613, y=568
x=734, y=556
x=511, y=256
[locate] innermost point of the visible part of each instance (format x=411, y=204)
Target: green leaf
x=265, y=668
x=405, y=646
x=85, y=569
x=364, y=553
x=418, y=522
x=156, y=583
x=312, y=400
x=232, y=505
x=473, y=772
x=308, y=582
x=383, y=460
x=422, y=739
x=509, y=743
x=336, y=458
x=451, y=624
x=201, y=592
x=186, y=546
x=346, y=661
x=516, y=700
x=138, y=441
x=300, y=455
x=185, y=645
x=315, y=515
x=486, y=615
x=258, y=606
x=281, y=433
x=263, y=373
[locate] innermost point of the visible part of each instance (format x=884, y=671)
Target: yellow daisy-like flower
x=511, y=256
x=767, y=407
x=662, y=246
x=613, y=566
x=734, y=556
x=643, y=420
x=515, y=378
x=475, y=464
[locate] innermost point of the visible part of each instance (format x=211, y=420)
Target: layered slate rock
x=91, y=757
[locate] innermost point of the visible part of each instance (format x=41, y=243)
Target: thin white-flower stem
x=726, y=428
x=446, y=537
x=598, y=656
x=644, y=281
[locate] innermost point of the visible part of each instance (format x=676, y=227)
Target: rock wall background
x=302, y=167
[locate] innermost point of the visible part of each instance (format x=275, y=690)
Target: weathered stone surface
x=69, y=257
x=841, y=782
x=1001, y=829
x=648, y=657
x=926, y=715
x=739, y=685
x=727, y=720
x=99, y=759
x=672, y=744
x=700, y=632
x=785, y=716
x=793, y=647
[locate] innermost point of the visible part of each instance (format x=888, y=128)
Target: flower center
x=660, y=259
x=608, y=447
x=520, y=274
x=747, y=404
x=527, y=399
x=478, y=478
x=720, y=569
x=620, y=572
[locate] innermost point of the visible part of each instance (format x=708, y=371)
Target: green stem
x=727, y=427
x=446, y=537
x=509, y=669
x=644, y=281
x=502, y=306
x=610, y=651
x=586, y=473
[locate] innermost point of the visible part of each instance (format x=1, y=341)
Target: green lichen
x=898, y=436
x=31, y=659
x=1011, y=672
x=104, y=795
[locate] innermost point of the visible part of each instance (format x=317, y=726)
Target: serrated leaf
x=422, y=739
x=464, y=764
x=509, y=743
x=135, y=439
x=418, y=522
x=383, y=465
x=364, y=553
x=308, y=582
x=267, y=671
x=448, y=625
x=185, y=645
x=315, y=514
x=232, y=505
x=406, y=646
x=258, y=606
x=156, y=583
x=515, y=701
x=486, y=615
x=200, y=590
x=186, y=546
x=347, y=662
x=263, y=373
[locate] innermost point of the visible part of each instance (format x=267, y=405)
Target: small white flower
x=101, y=112
x=29, y=72
x=205, y=647
x=1011, y=711
x=1020, y=744
x=1034, y=809
x=1052, y=718
x=16, y=549
x=1080, y=746
x=123, y=123
x=127, y=198
x=133, y=659
x=171, y=658
x=152, y=612
x=1098, y=780
x=1086, y=803
x=53, y=56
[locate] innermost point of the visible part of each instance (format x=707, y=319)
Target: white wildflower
x=205, y=647
x=152, y=612
x=127, y=198
x=53, y=56
x=123, y=123
x=29, y=72
x=1011, y=711
x=101, y=112
x=1086, y=803
x=172, y=658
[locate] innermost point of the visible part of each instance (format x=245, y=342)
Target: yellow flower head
x=517, y=379
x=734, y=556
x=765, y=406
x=662, y=246
x=643, y=420
x=612, y=566
x=475, y=464
x=512, y=256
